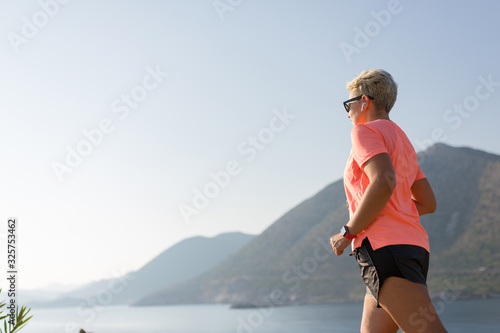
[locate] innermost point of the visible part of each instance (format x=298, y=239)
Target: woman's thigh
x=409, y=304
x=376, y=320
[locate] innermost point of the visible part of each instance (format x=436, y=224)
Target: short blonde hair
x=376, y=83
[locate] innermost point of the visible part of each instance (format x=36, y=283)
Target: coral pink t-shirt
x=399, y=222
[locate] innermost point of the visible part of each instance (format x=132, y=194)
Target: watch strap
x=346, y=234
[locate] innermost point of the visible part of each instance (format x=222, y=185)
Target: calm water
x=459, y=316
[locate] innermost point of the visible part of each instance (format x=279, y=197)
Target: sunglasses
x=347, y=104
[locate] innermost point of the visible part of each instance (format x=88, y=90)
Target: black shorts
x=405, y=261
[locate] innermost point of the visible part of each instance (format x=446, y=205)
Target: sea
x=458, y=316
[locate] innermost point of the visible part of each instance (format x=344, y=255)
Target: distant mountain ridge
x=183, y=261
x=291, y=262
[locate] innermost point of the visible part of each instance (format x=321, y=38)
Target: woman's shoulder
x=383, y=126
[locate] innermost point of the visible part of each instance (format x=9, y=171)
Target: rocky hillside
x=291, y=262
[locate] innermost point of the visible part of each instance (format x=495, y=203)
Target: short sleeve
x=420, y=174
x=366, y=143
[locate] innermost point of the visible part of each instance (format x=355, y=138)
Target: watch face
x=343, y=231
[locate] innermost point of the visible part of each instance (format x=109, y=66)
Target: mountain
x=181, y=262
x=291, y=262
x=43, y=295
x=464, y=232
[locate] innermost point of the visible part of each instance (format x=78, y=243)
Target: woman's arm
x=423, y=196
x=380, y=172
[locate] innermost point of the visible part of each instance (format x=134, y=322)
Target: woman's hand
x=339, y=243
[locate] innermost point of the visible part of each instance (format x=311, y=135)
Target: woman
x=386, y=192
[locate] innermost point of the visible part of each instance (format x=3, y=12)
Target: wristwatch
x=345, y=233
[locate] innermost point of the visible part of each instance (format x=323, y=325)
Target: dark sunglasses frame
x=347, y=106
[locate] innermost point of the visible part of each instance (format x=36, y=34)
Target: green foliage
x=20, y=321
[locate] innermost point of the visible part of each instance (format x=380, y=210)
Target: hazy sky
x=128, y=126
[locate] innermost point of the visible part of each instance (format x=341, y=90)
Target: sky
x=128, y=126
